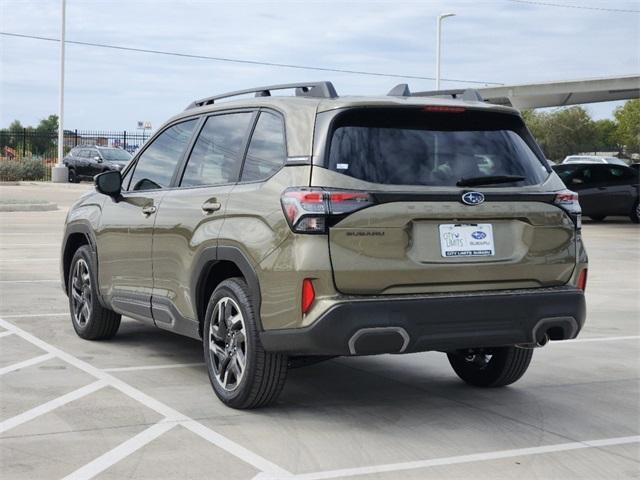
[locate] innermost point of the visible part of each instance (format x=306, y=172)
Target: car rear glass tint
x=409, y=146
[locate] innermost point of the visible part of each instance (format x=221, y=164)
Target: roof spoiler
x=468, y=95
x=309, y=89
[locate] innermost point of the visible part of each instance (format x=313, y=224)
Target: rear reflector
x=308, y=295
x=582, y=280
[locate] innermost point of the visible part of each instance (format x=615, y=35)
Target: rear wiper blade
x=488, y=180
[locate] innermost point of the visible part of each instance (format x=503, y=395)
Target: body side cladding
x=134, y=305
x=167, y=317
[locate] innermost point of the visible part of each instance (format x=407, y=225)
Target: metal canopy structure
x=560, y=93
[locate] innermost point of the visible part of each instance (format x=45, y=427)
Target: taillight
x=568, y=201
x=582, y=280
x=308, y=295
x=314, y=210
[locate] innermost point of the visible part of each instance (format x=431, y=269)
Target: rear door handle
x=149, y=209
x=210, y=207
x=602, y=188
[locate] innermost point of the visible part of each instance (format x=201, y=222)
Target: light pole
x=59, y=173
x=439, y=34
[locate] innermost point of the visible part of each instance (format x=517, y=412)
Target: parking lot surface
x=140, y=405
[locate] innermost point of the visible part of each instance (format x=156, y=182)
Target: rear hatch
x=459, y=200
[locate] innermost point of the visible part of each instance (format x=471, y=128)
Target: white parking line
x=120, y=452
x=22, y=260
x=26, y=363
x=30, y=281
x=7, y=247
x=242, y=453
x=602, y=339
x=5, y=334
x=51, y=405
x=33, y=315
x=475, y=457
x=30, y=234
x=152, y=367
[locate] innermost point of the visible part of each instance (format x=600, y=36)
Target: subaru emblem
x=473, y=198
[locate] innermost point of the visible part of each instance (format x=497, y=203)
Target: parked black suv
x=604, y=189
x=85, y=162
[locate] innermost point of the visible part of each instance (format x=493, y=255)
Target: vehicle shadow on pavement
x=363, y=382
x=134, y=336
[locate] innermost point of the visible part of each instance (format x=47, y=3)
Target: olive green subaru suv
x=282, y=230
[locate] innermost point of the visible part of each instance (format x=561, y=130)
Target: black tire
x=635, y=213
x=598, y=218
x=90, y=319
x=496, y=367
x=73, y=178
x=263, y=373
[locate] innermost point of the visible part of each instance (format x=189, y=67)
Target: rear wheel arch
x=215, y=265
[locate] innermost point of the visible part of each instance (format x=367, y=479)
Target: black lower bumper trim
x=444, y=322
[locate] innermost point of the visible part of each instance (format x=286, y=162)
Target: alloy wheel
x=227, y=344
x=81, y=296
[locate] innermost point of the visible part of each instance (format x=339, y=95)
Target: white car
x=593, y=159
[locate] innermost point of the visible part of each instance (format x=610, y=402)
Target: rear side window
x=156, y=165
x=267, y=151
x=619, y=174
x=420, y=147
x=566, y=172
x=217, y=155
x=579, y=175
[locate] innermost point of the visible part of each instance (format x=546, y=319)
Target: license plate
x=467, y=240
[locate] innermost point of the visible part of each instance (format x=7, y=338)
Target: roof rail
x=309, y=89
x=469, y=94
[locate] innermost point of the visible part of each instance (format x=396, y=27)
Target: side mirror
x=109, y=183
x=98, y=159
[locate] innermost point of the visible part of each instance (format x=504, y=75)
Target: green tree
x=45, y=135
x=538, y=124
x=10, y=137
x=562, y=132
x=606, y=136
x=628, y=131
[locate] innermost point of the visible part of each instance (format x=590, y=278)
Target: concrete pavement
x=140, y=405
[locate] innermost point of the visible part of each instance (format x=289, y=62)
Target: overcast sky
x=492, y=41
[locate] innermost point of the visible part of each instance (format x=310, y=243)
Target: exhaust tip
x=543, y=341
x=377, y=340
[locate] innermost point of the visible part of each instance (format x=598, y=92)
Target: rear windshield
x=418, y=147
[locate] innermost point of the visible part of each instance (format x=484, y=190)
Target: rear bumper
x=444, y=322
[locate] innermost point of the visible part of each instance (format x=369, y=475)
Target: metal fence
x=31, y=145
